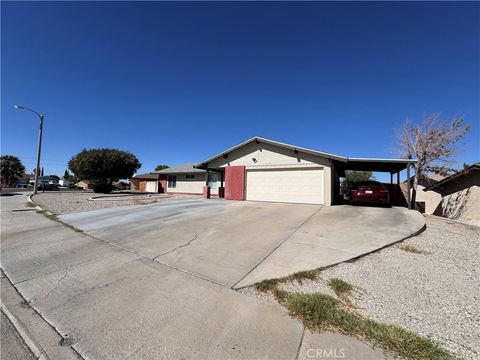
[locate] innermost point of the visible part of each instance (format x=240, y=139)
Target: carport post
x=398, y=178
x=408, y=188
x=391, y=178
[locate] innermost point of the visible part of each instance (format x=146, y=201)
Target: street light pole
x=39, y=146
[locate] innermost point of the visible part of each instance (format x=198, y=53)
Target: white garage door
x=286, y=185
x=151, y=187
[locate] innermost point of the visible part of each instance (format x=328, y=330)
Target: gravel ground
x=435, y=293
x=64, y=202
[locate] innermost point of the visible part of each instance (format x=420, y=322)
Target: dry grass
x=323, y=312
x=410, y=248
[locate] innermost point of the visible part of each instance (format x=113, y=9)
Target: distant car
x=47, y=186
x=369, y=192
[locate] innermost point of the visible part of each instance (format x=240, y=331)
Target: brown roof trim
x=465, y=172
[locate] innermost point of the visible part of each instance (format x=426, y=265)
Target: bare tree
x=432, y=143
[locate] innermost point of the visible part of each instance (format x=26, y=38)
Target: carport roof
x=372, y=164
x=345, y=163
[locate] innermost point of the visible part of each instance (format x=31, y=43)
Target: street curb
x=38, y=207
x=27, y=339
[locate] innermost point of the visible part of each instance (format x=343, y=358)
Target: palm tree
x=10, y=169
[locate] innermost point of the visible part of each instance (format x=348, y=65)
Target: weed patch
x=54, y=217
x=267, y=285
x=340, y=287
x=323, y=312
x=410, y=248
x=304, y=275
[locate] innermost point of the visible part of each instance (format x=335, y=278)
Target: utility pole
x=39, y=146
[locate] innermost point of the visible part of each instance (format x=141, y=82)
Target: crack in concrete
x=54, y=271
x=58, y=283
x=178, y=247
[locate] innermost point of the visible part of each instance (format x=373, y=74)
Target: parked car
x=47, y=186
x=369, y=192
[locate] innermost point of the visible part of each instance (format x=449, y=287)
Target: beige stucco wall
x=195, y=186
x=431, y=199
x=267, y=156
x=463, y=205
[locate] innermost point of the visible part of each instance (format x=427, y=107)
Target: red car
x=369, y=191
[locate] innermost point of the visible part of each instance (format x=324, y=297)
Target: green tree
x=161, y=167
x=66, y=175
x=103, y=167
x=353, y=176
x=11, y=168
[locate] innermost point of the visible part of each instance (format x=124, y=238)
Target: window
x=172, y=181
x=190, y=177
x=212, y=180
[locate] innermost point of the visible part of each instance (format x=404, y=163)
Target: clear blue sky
x=178, y=82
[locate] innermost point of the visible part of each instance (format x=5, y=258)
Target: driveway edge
x=41, y=337
x=349, y=260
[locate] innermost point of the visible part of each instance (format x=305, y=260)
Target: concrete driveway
x=111, y=303
x=155, y=281
x=237, y=244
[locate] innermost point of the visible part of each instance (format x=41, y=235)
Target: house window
x=190, y=177
x=212, y=180
x=172, y=181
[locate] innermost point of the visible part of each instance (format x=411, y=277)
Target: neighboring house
x=84, y=184
x=426, y=201
x=186, y=179
x=181, y=179
x=260, y=169
x=64, y=182
x=25, y=180
x=150, y=181
x=460, y=195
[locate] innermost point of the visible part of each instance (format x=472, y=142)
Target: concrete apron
x=337, y=234
x=111, y=303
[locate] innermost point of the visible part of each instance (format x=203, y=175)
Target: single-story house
x=460, y=194
x=150, y=181
x=181, y=179
x=260, y=169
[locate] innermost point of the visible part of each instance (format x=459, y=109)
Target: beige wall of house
x=461, y=200
x=266, y=156
x=430, y=198
x=191, y=186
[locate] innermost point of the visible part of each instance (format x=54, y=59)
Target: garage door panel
x=286, y=185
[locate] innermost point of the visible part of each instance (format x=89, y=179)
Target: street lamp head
x=19, y=107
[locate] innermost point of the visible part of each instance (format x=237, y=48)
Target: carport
x=391, y=166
